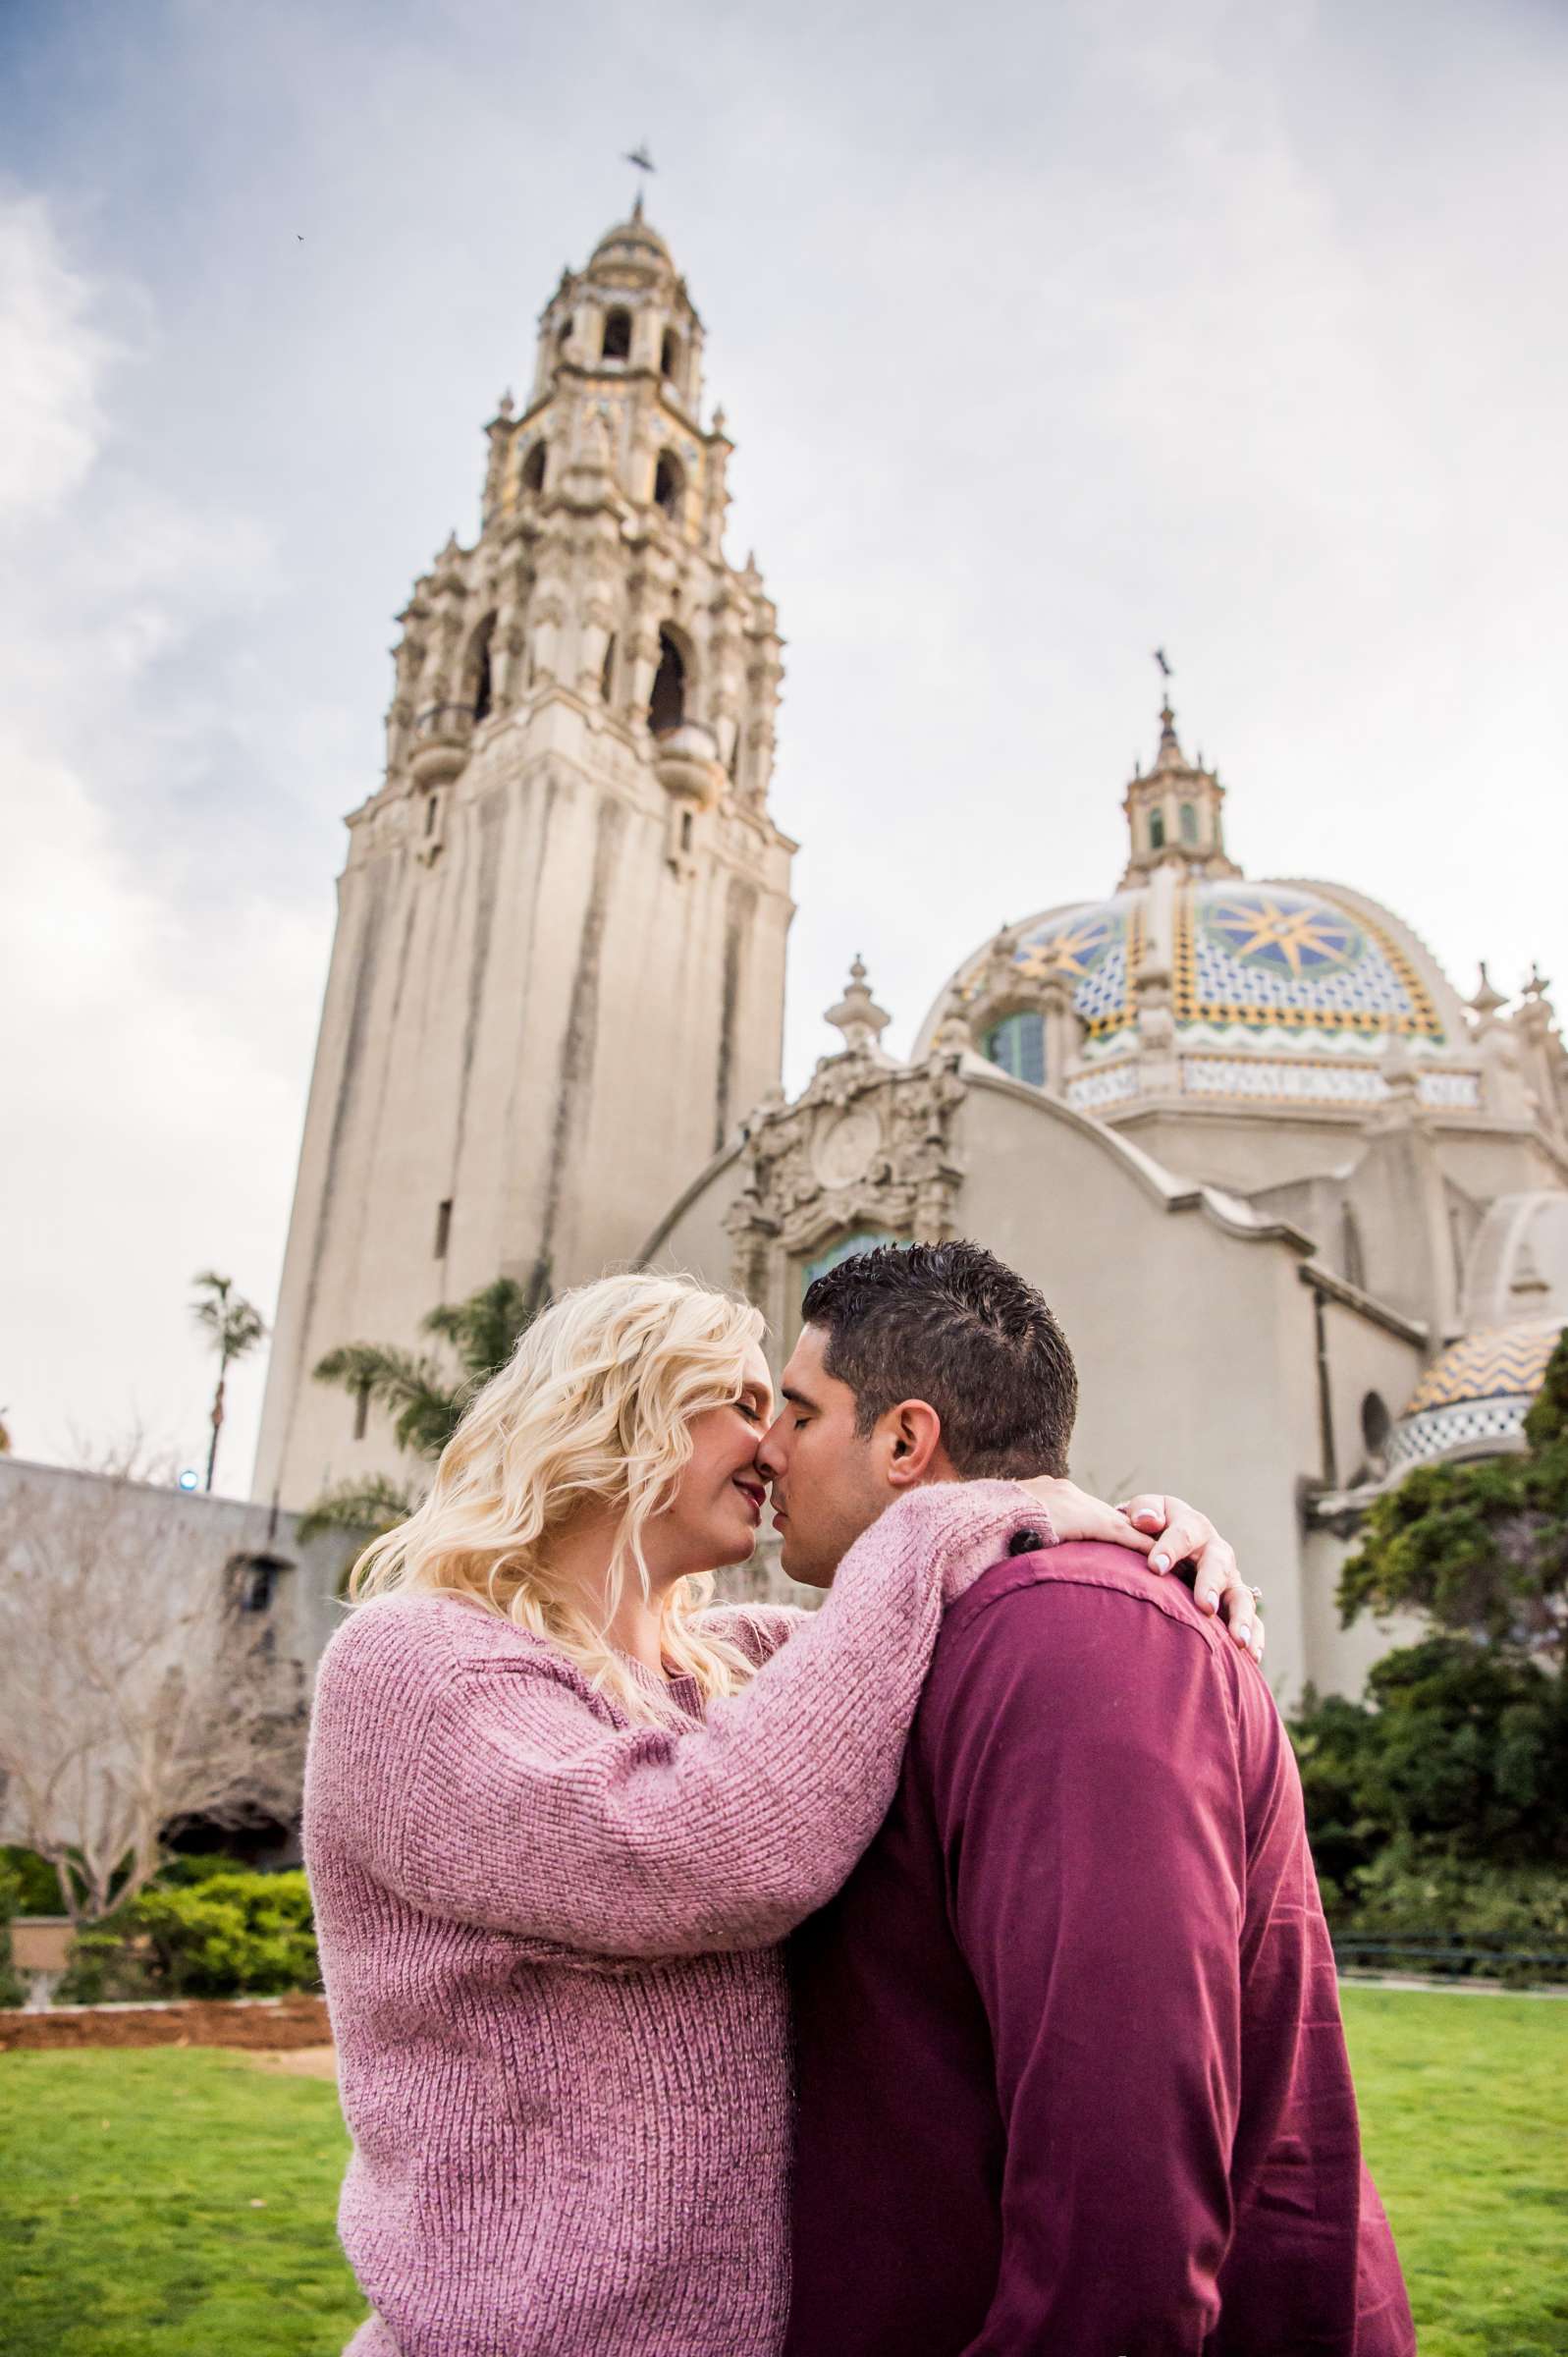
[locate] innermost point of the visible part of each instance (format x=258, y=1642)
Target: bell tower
x=557, y=974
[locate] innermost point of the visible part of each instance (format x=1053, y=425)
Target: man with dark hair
x=1071, y=2074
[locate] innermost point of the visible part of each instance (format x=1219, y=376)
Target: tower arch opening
x=671, y=356
x=667, y=705
x=1188, y=817
x=534, y=468
x=617, y=343
x=1157, y=830
x=668, y=484
x=478, y=684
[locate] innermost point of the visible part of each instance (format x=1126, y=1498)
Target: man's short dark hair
x=953, y=1326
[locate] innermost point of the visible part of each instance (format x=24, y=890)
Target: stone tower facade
x=558, y=975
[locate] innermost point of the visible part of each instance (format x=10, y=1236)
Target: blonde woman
x=559, y=1817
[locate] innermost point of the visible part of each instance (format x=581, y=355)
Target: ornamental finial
x=857, y=1014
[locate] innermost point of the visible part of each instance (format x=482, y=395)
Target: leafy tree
x=1481, y=1548
x=1441, y=1797
x=234, y=1329
x=422, y=1393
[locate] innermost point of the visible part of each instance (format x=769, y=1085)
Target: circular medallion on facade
x=843, y=1150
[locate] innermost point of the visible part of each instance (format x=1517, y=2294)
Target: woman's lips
x=754, y=1498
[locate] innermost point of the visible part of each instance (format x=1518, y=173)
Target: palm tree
x=235, y=1328
x=421, y=1394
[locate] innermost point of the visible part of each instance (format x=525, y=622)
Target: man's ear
x=911, y=1439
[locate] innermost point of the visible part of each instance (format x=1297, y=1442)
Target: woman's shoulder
x=433, y=1636
x=757, y=1629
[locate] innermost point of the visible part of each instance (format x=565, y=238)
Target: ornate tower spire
x=568, y=887
x=1175, y=812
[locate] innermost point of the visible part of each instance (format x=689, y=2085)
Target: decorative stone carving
x=846, y=1146
x=867, y=1144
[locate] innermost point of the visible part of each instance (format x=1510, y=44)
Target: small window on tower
x=670, y=357
x=607, y=677
x=563, y=332
x=1189, y=823
x=1157, y=830
x=432, y=813
x=616, y=344
x=685, y=830
x=443, y=1228
x=668, y=484
x=534, y=468
x=667, y=706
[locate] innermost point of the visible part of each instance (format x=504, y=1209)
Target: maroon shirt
x=1071, y=2073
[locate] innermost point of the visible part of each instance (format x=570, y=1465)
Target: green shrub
x=1458, y=1749
x=1407, y=1895
x=234, y=1934
x=38, y=1885
x=107, y=1966
x=11, y=1992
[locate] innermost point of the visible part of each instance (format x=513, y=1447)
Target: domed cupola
x=1193, y=984
x=1175, y=813
x=627, y=314
x=1473, y=1398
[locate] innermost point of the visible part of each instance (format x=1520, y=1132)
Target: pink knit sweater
x=549, y=1937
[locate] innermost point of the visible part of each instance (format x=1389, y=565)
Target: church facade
x=1302, y=1209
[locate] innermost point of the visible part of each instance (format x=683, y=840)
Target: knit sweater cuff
x=966, y=1526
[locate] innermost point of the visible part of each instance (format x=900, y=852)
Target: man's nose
x=770, y=1451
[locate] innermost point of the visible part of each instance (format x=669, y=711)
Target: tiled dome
x=1478, y=1390
x=1251, y=960
x=1193, y=980
x=1279, y=992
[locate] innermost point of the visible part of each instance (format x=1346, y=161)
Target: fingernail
x=1160, y=1562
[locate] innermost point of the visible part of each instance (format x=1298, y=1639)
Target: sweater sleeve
x=523, y=1810
x=1086, y=1787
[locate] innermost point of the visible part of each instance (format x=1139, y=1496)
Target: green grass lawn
x=1464, y=2110
x=180, y=2203
x=128, y=2209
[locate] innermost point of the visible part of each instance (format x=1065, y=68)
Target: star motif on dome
x=1073, y=948
x=1296, y=937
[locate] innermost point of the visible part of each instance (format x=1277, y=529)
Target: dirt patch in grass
x=304, y=2062
x=273, y=2024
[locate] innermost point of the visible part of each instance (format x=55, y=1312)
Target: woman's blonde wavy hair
x=596, y=1404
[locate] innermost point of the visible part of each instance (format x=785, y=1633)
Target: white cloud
x=51, y=364
x=154, y=1114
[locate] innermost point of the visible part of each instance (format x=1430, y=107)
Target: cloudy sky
x=1048, y=333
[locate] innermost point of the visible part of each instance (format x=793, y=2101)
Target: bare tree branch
x=133, y=1691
